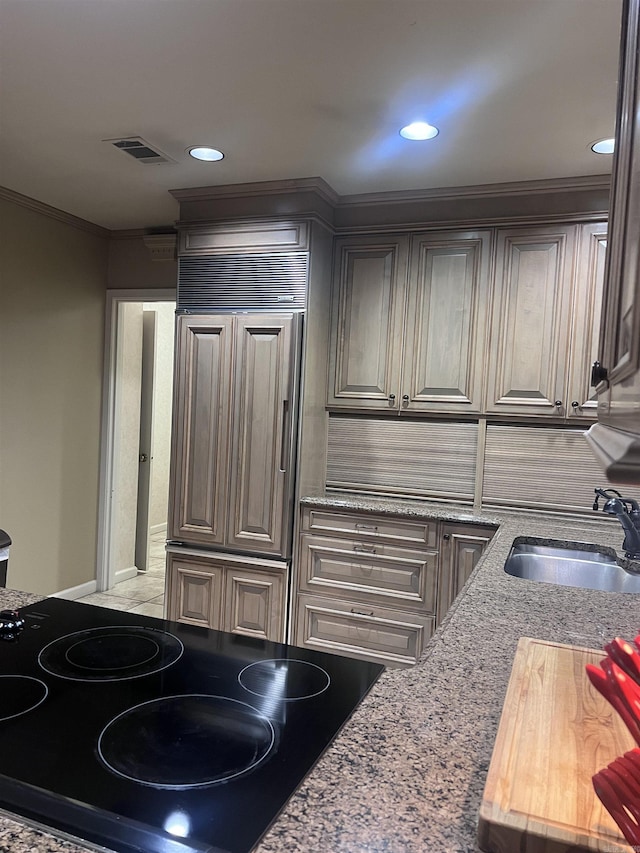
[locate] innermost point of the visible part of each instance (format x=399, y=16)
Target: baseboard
x=126, y=574
x=158, y=528
x=79, y=591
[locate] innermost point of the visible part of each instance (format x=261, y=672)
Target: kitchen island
x=408, y=770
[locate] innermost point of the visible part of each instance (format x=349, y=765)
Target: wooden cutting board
x=555, y=732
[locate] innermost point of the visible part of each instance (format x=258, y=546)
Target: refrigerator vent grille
x=255, y=282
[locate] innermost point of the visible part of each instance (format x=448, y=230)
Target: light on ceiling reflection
x=209, y=155
x=419, y=130
x=604, y=146
x=177, y=823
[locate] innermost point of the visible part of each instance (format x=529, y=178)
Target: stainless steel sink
x=569, y=567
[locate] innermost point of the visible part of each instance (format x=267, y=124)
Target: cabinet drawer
x=371, y=527
x=368, y=571
x=368, y=632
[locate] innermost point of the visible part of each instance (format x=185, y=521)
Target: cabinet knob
x=558, y=404
x=405, y=398
x=392, y=398
x=575, y=405
x=446, y=536
x=598, y=374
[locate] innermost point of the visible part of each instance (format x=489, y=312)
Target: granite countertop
x=408, y=770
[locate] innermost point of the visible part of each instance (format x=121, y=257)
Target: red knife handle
x=602, y=684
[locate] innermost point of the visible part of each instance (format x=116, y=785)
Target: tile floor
x=143, y=594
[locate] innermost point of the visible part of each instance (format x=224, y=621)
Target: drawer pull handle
x=367, y=549
x=361, y=612
x=361, y=526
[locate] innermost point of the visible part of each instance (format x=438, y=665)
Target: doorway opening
x=136, y=434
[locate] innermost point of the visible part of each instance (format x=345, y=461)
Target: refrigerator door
x=235, y=428
x=199, y=441
x=265, y=405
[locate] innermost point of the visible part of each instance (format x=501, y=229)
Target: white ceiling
x=297, y=88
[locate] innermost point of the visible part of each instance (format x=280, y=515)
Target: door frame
x=105, y=574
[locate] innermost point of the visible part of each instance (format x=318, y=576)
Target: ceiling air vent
x=140, y=150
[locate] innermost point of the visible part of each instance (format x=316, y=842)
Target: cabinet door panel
x=262, y=424
x=255, y=603
x=530, y=332
x=446, y=322
x=367, y=323
x=462, y=547
x=200, y=431
x=585, y=320
x=194, y=593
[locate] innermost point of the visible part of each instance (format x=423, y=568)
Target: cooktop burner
x=289, y=679
x=112, y=653
x=186, y=741
x=20, y=694
x=139, y=734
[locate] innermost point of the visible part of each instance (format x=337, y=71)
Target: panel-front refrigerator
x=231, y=500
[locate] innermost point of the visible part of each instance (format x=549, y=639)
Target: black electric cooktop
x=146, y=735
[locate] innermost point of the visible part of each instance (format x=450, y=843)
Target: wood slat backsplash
x=538, y=467
x=400, y=456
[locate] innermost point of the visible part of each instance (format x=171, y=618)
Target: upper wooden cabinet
x=409, y=322
x=546, y=320
x=586, y=316
x=232, y=436
x=421, y=323
x=446, y=323
x=530, y=325
x=367, y=322
x=616, y=437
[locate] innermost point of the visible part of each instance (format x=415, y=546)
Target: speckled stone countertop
x=407, y=772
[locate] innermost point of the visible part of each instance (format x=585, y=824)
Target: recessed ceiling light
x=419, y=130
x=201, y=152
x=604, y=146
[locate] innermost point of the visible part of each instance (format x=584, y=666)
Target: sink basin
x=569, y=567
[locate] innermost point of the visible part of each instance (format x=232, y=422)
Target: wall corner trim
x=53, y=212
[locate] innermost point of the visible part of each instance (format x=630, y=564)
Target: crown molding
x=513, y=188
x=141, y=233
x=304, y=197
x=53, y=212
x=259, y=188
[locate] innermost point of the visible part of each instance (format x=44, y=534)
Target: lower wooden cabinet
x=366, y=571
x=228, y=593
x=356, y=630
x=461, y=547
x=375, y=587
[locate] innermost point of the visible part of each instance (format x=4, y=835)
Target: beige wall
x=131, y=266
x=52, y=294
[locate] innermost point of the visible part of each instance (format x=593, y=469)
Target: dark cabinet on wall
x=616, y=437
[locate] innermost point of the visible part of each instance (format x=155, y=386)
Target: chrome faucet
x=627, y=511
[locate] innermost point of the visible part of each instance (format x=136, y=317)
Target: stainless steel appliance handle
x=285, y=440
